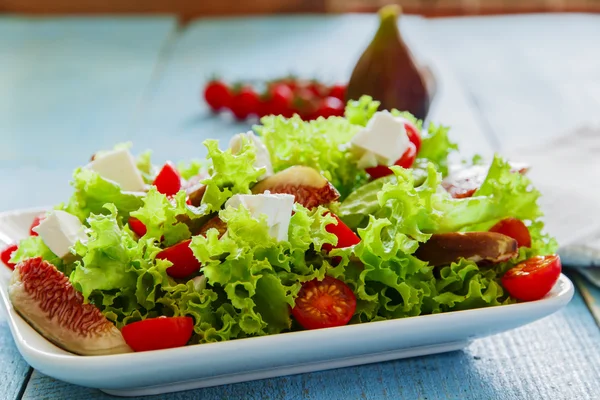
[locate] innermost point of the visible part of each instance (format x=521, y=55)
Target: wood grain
x=557, y=357
x=80, y=80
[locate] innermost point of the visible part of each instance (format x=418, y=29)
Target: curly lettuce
x=320, y=144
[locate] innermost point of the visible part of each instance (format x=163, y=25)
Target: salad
x=296, y=225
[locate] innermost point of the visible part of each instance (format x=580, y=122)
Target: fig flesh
x=308, y=186
x=45, y=298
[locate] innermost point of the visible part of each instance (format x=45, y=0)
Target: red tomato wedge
x=534, y=278
x=168, y=180
x=182, y=257
x=36, y=222
x=324, y=304
x=158, y=333
x=413, y=134
x=346, y=237
x=406, y=161
x=6, y=253
x=137, y=226
x=514, y=228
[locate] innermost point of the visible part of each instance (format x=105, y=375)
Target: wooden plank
x=532, y=77
x=67, y=88
x=557, y=357
x=323, y=47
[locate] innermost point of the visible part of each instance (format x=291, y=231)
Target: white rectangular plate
x=241, y=360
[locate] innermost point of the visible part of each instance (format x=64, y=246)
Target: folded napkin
x=567, y=173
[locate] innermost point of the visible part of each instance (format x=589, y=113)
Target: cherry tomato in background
x=316, y=88
x=36, y=222
x=338, y=91
x=278, y=101
x=158, y=333
x=245, y=102
x=6, y=254
x=330, y=107
x=534, y=278
x=182, y=257
x=406, y=161
x=515, y=229
x=346, y=236
x=324, y=304
x=168, y=180
x=218, y=95
x=137, y=226
x=305, y=104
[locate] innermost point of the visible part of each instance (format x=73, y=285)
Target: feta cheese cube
x=381, y=142
x=60, y=231
x=277, y=207
x=119, y=166
x=263, y=158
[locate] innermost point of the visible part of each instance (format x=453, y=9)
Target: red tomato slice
x=168, y=180
x=514, y=228
x=406, y=161
x=346, y=237
x=534, y=278
x=324, y=304
x=137, y=226
x=36, y=222
x=158, y=333
x=182, y=257
x=6, y=253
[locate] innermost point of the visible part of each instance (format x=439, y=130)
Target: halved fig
x=214, y=222
x=195, y=190
x=309, y=187
x=463, y=182
x=45, y=298
x=446, y=248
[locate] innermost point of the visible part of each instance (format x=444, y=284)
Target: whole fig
x=387, y=70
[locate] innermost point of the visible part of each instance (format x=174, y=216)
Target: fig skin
x=45, y=298
x=387, y=71
x=308, y=186
x=446, y=248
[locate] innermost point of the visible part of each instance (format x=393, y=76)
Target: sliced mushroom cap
x=446, y=248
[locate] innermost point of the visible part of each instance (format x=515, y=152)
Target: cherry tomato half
x=182, y=257
x=346, y=237
x=324, y=304
x=217, y=95
x=413, y=134
x=534, y=278
x=168, y=180
x=406, y=161
x=6, y=253
x=514, y=228
x=158, y=333
x=245, y=102
x=137, y=226
x=36, y=222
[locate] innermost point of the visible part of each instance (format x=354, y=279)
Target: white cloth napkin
x=567, y=173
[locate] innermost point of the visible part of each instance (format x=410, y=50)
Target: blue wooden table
x=72, y=86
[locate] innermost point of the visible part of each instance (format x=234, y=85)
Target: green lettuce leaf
x=33, y=246
x=436, y=147
x=192, y=168
x=320, y=144
x=144, y=164
x=92, y=192
x=258, y=275
x=229, y=173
